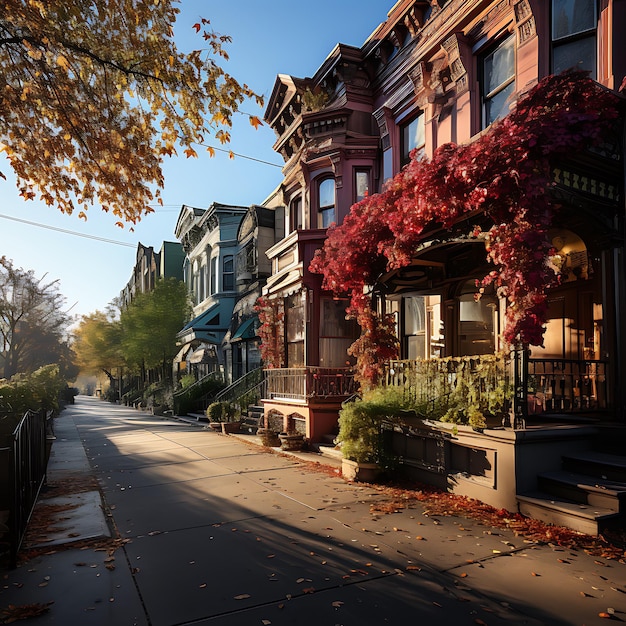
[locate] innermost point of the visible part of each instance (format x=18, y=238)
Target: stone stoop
x=588, y=494
x=251, y=422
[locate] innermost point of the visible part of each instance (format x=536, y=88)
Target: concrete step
x=601, y=465
x=584, y=489
x=328, y=450
x=580, y=517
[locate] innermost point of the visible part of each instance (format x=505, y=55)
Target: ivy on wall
x=504, y=178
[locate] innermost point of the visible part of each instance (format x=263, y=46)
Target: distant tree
x=33, y=323
x=93, y=96
x=97, y=344
x=150, y=325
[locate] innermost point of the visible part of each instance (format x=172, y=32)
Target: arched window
x=326, y=203
x=296, y=216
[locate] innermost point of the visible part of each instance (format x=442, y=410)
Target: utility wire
x=69, y=232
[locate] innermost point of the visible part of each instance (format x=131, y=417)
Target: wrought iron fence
x=24, y=462
x=567, y=386
x=303, y=383
x=457, y=389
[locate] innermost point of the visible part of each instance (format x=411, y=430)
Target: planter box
x=291, y=443
x=230, y=427
x=268, y=437
x=359, y=472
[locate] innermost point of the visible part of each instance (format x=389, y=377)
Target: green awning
x=247, y=330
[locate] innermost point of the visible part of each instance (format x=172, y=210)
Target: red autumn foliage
x=271, y=315
x=502, y=179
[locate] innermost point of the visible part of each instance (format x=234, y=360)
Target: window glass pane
x=327, y=193
x=412, y=137
x=579, y=54
x=498, y=106
x=327, y=217
x=387, y=165
x=499, y=66
x=295, y=215
x=570, y=17
x=228, y=263
x=213, y=275
x=362, y=184
x=414, y=315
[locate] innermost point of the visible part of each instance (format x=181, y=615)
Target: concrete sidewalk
x=186, y=526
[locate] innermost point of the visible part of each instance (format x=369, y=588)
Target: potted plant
x=360, y=432
x=223, y=416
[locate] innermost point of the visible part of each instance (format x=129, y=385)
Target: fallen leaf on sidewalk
x=243, y=596
x=13, y=613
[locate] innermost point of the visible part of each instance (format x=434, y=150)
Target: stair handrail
x=242, y=386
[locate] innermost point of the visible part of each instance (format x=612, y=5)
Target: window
x=574, y=25
x=202, y=281
x=361, y=184
x=498, y=81
x=413, y=138
x=477, y=321
x=296, y=217
x=294, y=326
x=213, y=275
x=387, y=164
x=326, y=200
x=337, y=333
x=415, y=327
x=228, y=273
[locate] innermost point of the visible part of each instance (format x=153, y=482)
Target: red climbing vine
x=502, y=178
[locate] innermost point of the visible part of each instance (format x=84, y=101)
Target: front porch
x=555, y=454
x=307, y=397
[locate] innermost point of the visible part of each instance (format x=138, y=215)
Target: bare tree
x=32, y=320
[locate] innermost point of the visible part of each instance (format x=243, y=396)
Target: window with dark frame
x=361, y=184
x=326, y=203
x=497, y=81
x=296, y=217
x=574, y=35
x=412, y=138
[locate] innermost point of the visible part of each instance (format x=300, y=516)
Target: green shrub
x=221, y=412
x=361, y=423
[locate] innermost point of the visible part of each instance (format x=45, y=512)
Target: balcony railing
x=306, y=383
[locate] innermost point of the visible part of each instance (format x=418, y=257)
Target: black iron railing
x=567, y=386
x=24, y=463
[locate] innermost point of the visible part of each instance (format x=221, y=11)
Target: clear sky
x=276, y=37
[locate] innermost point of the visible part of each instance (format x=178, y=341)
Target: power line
x=69, y=232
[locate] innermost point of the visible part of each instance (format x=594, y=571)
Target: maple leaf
x=211, y=151
x=255, y=121
x=190, y=152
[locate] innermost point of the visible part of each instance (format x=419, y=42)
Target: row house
x=435, y=73
x=225, y=269
x=151, y=266
x=209, y=240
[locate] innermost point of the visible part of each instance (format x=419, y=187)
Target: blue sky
x=278, y=37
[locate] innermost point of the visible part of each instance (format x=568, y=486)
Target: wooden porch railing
x=303, y=383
